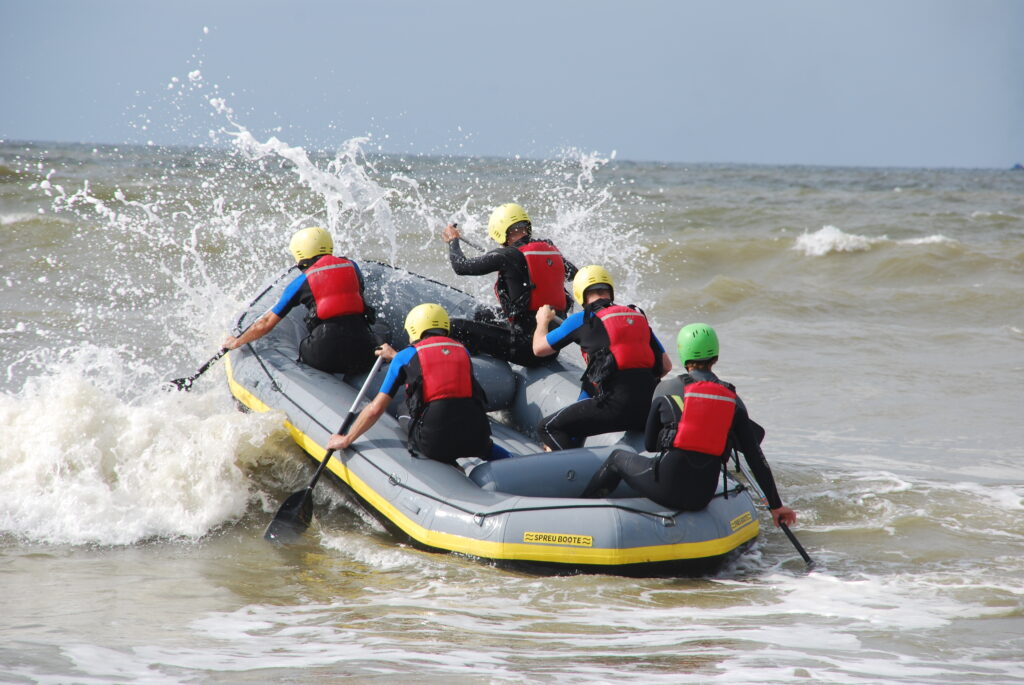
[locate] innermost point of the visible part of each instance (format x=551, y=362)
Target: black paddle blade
x=181, y=384
x=293, y=518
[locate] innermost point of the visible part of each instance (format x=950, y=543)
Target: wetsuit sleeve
x=359, y=273
x=395, y=376
x=564, y=334
x=749, y=444
x=487, y=263
x=290, y=296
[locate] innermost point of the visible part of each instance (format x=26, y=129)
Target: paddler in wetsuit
x=624, y=362
x=340, y=339
x=531, y=274
x=446, y=408
x=694, y=421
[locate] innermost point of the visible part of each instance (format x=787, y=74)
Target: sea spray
x=81, y=465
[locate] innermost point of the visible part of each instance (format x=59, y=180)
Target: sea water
x=871, y=319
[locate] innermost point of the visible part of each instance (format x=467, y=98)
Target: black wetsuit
x=511, y=340
x=683, y=479
x=611, y=399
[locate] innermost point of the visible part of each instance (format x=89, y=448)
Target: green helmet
x=697, y=341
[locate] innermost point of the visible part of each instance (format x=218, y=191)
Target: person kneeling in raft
x=445, y=401
x=694, y=421
x=624, y=362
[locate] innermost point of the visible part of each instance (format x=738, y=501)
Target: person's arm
x=486, y=263
x=545, y=315
x=666, y=364
x=749, y=445
x=663, y=416
x=263, y=325
x=259, y=328
x=659, y=350
x=375, y=409
x=367, y=417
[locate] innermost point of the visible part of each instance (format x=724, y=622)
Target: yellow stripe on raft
x=545, y=552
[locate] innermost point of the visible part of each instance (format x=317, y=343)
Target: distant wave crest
x=830, y=239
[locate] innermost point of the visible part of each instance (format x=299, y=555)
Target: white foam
x=830, y=239
x=79, y=465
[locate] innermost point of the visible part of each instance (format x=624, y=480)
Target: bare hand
x=386, y=351
x=230, y=343
x=784, y=515
x=545, y=315
x=450, y=233
x=338, y=442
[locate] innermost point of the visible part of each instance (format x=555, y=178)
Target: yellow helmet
x=311, y=242
x=423, y=317
x=588, y=276
x=503, y=217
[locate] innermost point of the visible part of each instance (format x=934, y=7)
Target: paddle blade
x=181, y=383
x=293, y=518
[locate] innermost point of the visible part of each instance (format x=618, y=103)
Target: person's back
x=446, y=409
x=339, y=338
x=694, y=422
x=624, y=361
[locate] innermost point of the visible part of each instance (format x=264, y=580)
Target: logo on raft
x=558, y=539
x=740, y=521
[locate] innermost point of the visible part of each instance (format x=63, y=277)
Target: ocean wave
x=829, y=239
x=81, y=466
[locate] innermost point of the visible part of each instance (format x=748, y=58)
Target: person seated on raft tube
x=340, y=339
x=624, y=362
x=694, y=422
x=446, y=407
x=531, y=273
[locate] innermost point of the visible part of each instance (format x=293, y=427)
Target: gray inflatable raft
x=522, y=512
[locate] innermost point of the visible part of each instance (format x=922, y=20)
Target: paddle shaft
x=468, y=242
x=796, y=543
x=186, y=383
x=783, y=526
x=348, y=419
x=296, y=512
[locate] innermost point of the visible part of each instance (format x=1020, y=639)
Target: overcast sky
x=935, y=83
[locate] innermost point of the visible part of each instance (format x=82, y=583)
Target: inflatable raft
x=523, y=512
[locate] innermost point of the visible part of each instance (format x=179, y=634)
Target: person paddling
x=694, y=422
x=531, y=273
x=340, y=339
x=624, y=362
x=446, y=408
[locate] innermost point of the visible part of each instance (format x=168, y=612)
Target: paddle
x=783, y=526
x=186, y=383
x=296, y=513
x=469, y=242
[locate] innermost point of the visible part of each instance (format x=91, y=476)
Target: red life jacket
x=335, y=286
x=446, y=369
x=707, y=412
x=545, y=273
x=629, y=337
x=546, y=268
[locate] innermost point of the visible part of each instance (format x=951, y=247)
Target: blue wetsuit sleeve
x=359, y=273
x=289, y=298
x=396, y=371
x=562, y=336
x=656, y=344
